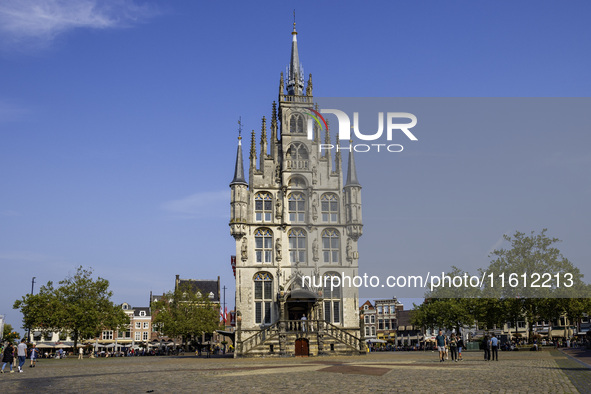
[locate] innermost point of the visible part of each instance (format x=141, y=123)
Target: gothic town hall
x=294, y=218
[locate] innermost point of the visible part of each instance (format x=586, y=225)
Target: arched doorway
x=301, y=347
x=300, y=302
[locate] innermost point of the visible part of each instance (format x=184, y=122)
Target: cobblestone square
x=545, y=371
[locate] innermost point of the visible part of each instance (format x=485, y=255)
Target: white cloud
x=40, y=21
x=205, y=204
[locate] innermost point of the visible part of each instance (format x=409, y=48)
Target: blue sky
x=118, y=128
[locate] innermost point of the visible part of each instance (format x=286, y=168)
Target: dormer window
x=142, y=313
x=211, y=295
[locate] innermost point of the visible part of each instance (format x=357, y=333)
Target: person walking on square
x=22, y=354
x=80, y=353
x=460, y=347
x=486, y=347
x=7, y=357
x=441, y=342
x=453, y=347
x=494, y=347
x=33, y=354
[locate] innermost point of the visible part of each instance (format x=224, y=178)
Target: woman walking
x=460, y=347
x=453, y=347
x=8, y=357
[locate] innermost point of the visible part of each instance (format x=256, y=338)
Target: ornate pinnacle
x=253, y=149
x=264, y=130
x=281, y=86
x=309, y=87
x=274, y=114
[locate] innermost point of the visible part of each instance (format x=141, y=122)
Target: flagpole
x=224, y=310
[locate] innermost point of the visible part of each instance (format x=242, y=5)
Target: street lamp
x=32, y=292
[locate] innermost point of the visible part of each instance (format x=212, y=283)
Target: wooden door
x=301, y=347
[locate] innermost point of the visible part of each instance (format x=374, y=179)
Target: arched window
x=296, y=124
x=263, y=245
x=329, y=207
x=330, y=246
x=297, y=151
x=297, y=207
x=263, y=206
x=332, y=300
x=297, y=246
x=296, y=157
x=263, y=297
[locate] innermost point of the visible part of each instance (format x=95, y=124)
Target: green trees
x=80, y=306
x=9, y=334
x=183, y=313
x=530, y=280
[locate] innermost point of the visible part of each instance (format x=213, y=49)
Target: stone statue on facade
x=349, y=250
x=279, y=207
x=278, y=173
x=244, y=250
x=278, y=249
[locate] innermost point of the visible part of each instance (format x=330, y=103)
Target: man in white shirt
x=21, y=351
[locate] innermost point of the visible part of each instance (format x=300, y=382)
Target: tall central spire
x=295, y=73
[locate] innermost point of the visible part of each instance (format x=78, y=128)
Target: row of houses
x=142, y=331
x=386, y=321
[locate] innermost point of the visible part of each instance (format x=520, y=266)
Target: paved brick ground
x=540, y=372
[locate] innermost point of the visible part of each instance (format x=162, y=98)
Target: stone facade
x=294, y=218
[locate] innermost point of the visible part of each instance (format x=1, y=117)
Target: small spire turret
x=338, y=160
x=263, y=142
x=253, y=151
x=274, y=131
x=351, y=170
x=327, y=154
x=239, y=178
x=352, y=191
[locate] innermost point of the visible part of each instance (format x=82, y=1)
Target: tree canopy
x=510, y=291
x=9, y=334
x=81, y=306
x=183, y=313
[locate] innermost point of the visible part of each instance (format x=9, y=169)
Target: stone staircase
x=279, y=340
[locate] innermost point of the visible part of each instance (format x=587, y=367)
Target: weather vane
x=240, y=127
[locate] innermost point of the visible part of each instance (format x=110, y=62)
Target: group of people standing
x=490, y=345
x=10, y=355
x=453, y=345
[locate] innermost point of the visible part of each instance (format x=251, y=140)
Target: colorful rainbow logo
x=315, y=114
